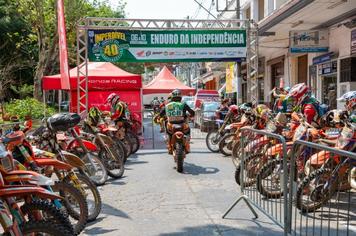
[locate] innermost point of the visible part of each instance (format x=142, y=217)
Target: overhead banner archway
x=139, y=40
x=166, y=46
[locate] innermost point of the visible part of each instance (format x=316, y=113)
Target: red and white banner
x=63, y=53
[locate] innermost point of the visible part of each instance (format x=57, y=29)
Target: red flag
x=63, y=53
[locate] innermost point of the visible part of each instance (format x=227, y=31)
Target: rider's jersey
x=118, y=111
x=175, y=111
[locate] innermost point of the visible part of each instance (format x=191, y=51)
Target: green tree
x=41, y=15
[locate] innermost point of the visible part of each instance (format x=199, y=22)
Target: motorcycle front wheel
x=134, y=140
x=95, y=169
x=212, y=141
x=114, y=163
x=226, y=144
x=92, y=196
x=75, y=204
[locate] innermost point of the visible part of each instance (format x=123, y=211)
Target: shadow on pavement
x=109, y=210
x=192, y=169
x=98, y=231
x=211, y=229
x=129, y=162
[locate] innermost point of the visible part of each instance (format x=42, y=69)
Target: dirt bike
x=328, y=173
x=270, y=176
x=225, y=144
x=254, y=153
x=75, y=175
x=109, y=153
x=178, y=143
x=36, y=206
x=24, y=154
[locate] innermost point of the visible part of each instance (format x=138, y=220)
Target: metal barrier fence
x=303, y=187
x=149, y=128
x=321, y=201
x=255, y=147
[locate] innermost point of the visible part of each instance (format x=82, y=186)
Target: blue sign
x=322, y=58
x=309, y=49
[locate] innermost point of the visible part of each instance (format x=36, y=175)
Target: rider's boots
x=161, y=124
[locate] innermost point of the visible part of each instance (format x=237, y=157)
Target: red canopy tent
x=103, y=78
x=164, y=83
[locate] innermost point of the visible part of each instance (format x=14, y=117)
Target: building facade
x=290, y=51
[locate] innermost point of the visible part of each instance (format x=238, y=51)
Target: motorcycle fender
x=20, y=175
x=42, y=162
x=73, y=160
x=106, y=139
x=319, y=158
x=89, y=145
x=22, y=190
x=177, y=137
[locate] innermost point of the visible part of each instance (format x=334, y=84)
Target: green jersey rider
x=176, y=113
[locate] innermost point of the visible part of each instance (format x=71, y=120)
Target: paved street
x=153, y=199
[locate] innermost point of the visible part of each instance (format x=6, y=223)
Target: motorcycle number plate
x=61, y=136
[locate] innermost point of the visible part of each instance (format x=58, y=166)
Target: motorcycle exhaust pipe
x=352, y=178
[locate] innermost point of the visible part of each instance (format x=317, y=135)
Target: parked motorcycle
x=328, y=173
x=109, y=153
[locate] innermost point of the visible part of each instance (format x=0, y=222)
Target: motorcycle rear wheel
x=179, y=152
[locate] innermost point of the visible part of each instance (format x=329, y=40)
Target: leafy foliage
x=23, y=91
x=28, y=106
x=29, y=39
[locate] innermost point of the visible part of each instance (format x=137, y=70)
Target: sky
x=167, y=9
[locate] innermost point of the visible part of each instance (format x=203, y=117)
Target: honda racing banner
x=166, y=46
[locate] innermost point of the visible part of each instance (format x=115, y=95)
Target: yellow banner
x=229, y=77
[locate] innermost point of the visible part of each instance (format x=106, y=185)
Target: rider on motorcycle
x=161, y=119
x=308, y=105
x=350, y=104
x=155, y=104
x=118, y=108
x=279, y=94
x=176, y=114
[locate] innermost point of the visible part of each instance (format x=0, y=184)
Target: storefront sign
x=305, y=41
x=328, y=68
x=323, y=58
x=353, y=41
x=165, y=46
